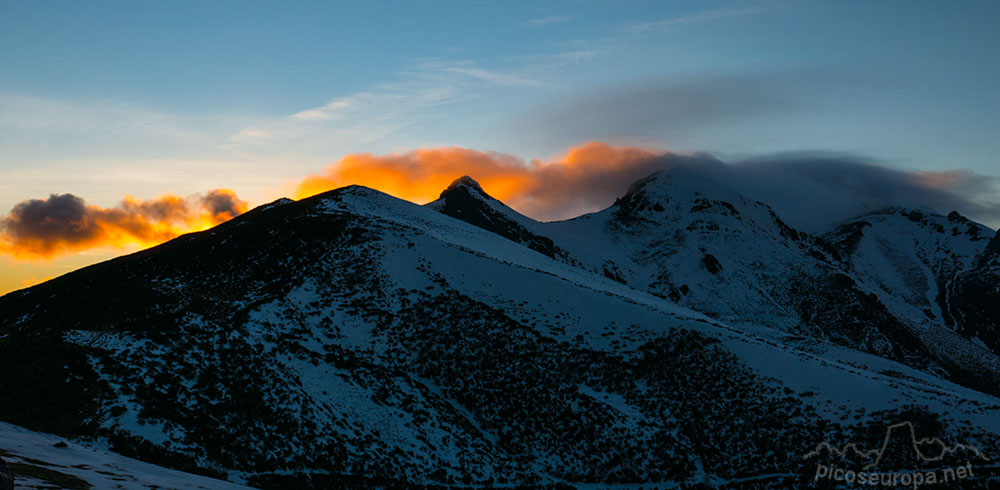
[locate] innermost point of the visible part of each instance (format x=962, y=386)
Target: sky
x=160, y=118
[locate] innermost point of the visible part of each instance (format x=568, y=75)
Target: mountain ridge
x=799, y=281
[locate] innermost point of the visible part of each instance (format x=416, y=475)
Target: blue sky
x=103, y=99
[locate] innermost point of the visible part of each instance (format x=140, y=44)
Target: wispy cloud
x=385, y=109
x=356, y=119
x=544, y=21
x=470, y=69
x=64, y=139
x=331, y=110
x=698, y=17
x=105, y=117
x=250, y=134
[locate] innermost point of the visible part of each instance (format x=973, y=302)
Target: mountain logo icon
x=898, y=437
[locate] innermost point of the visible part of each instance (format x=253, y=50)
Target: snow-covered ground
x=46, y=461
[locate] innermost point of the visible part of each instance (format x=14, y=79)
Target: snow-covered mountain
x=912, y=258
x=684, y=336
x=934, y=273
x=687, y=238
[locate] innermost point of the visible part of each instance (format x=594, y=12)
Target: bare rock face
x=994, y=245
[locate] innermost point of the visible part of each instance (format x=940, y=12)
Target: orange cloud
x=584, y=179
x=420, y=175
x=64, y=223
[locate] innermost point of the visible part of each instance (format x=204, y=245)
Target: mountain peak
x=678, y=189
x=687, y=184
x=466, y=200
x=464, y=195
x=464, y=182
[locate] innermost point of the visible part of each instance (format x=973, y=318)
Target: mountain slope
x=974, y=303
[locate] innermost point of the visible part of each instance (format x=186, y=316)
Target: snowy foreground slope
x=44, y=461
x=684, y=337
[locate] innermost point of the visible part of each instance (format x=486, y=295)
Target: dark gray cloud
x=222, y=202
x=593, y=176
x=814, y=191
x=60, y=217
x=64, y=223
x=654, y=108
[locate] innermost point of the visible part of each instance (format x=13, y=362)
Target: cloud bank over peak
x=586, y=178
x=816, y=190
x=812, y=191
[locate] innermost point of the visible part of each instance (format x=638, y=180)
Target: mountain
x=684, y=336
x=689, y=239
x=934, y=273
x=911, y=258
x=686, y=238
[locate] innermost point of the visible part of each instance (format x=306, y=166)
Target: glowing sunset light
x=42, y=229
x=538, y=189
